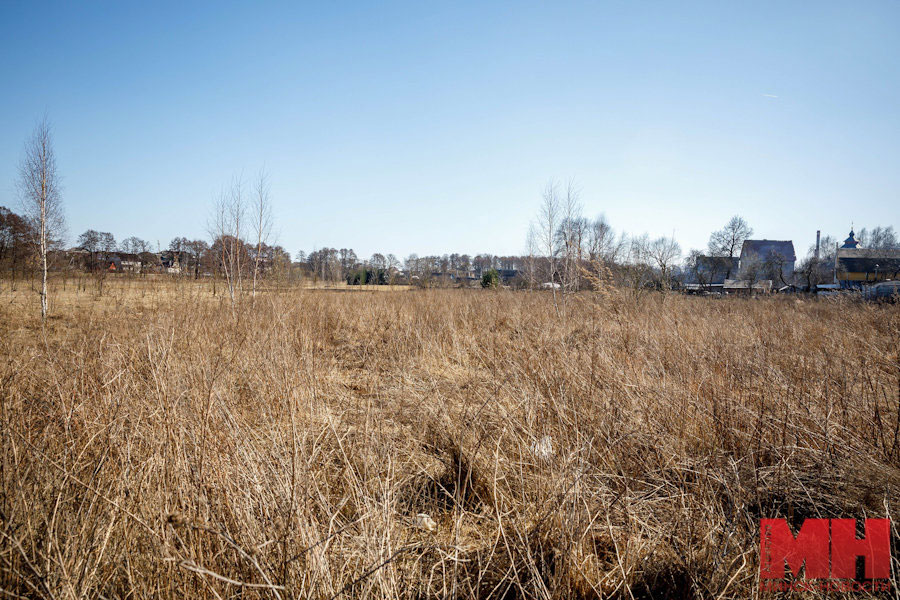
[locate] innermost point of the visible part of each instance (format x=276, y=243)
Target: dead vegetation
x=432, y=444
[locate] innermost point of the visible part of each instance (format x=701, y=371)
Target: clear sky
x=432, y=127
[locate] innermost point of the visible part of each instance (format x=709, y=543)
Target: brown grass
x=154, y=445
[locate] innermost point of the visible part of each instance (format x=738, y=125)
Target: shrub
x=490, y=279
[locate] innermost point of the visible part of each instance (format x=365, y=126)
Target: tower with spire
x=851, y=242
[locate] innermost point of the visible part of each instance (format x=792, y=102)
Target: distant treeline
x=566, y=252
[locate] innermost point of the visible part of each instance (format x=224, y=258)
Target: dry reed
x=431, y=444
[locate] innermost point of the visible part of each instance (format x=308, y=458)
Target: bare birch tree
x=39, y=190
x=262, y=221
x=531, y=247
x=547, y=223
x=227, y=231
x=571, y=235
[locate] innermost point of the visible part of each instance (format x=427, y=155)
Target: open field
x=158, y=443
x=88, y=288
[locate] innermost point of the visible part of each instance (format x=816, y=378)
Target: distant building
x=131, y=266
x=770, y=259
x=855, y=266
x=858, y=266
x=169, y=262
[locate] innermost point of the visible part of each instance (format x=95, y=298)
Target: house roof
x=703, y=286
x=868, y=260
x=764, y=248
x=743, y=284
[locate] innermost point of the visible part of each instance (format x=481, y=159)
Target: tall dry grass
x=432, y=444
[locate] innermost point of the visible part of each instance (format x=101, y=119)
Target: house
x=169, y=262
x=131, y=266
x=855, y=266
x=773, y=259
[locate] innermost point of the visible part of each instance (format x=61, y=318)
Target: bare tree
x=196, y=249
x=601, y=241
x=602, y=249
x=107, y=242
x=134, y=245
x=775, y=265
x=262, y=221
x=91, y=242
x=531, y=248
x=729, y=240
x=393, y=264
x=752, y=270
x=879, y=238
x=16, y=240
x=227, y=231
x=694, y=267
x=39, y=190
x=818, y=266
x=547, y=222
x=412, y=265
x=378, y=261
x=664, y=252
x=637, y=270
x=571, y=233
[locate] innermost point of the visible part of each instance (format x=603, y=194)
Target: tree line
x=565, y=250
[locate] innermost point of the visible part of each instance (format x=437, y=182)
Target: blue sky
x=432, y=128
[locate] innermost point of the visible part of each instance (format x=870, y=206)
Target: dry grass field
x=156, y=443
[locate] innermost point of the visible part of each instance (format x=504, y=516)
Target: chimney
x=818, y=240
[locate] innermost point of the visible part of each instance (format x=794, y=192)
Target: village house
x=168, y=260
x=855, y=266
x=769, y=259
x=131, y=266
x=764, y=265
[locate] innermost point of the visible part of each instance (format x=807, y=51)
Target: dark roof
x=864, y=260
x=765, y=248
